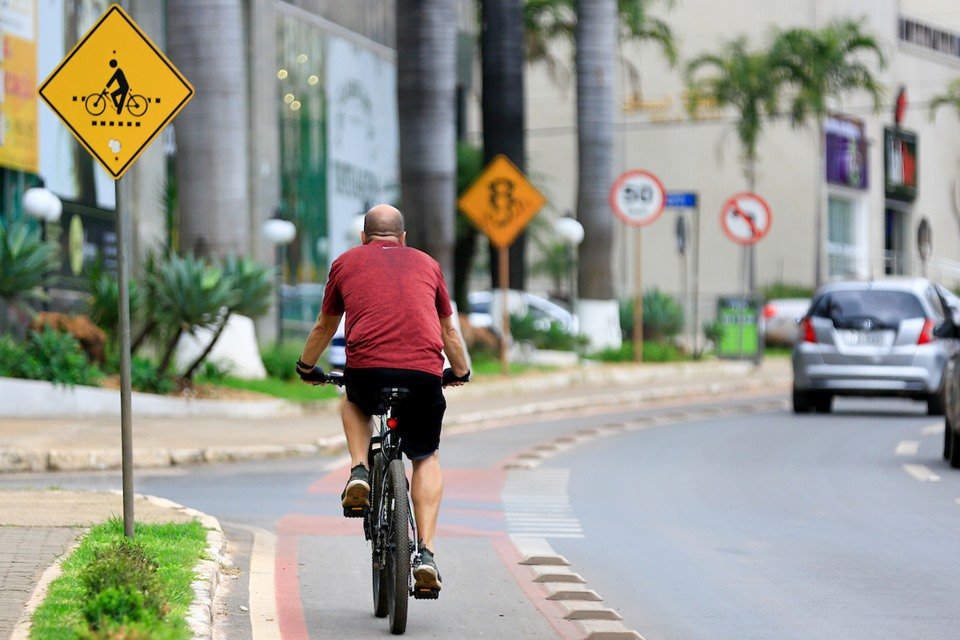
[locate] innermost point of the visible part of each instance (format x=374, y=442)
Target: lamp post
x=42, y=205
x=279, y=233
x=571, y=231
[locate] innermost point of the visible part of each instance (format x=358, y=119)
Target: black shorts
x=419, y=416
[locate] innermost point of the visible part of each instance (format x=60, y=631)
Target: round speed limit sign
x=637, y=197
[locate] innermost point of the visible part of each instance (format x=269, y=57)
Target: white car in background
x=781, y=320
x=483, y=306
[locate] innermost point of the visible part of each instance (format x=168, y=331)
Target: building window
x=843, y=247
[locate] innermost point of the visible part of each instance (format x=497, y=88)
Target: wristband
x=303, y=365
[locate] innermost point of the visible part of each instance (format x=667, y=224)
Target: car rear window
x=884, y=308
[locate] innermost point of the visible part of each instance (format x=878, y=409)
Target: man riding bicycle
x=398, y=319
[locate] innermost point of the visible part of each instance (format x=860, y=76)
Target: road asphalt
x=38, y=528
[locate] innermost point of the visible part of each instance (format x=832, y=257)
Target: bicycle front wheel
x=398, y=546
x=376, y=517
x=95, y=104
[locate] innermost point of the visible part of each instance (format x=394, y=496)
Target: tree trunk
x=188, y=374
x=818, y=222
x=596, y=53
x=148, y=328
x=501, y=50
x=426, y=99
x=171, y=348
x=206, y=41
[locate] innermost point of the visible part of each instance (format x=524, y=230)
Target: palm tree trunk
x=501, y=46
x=752, y=248
x=426, y=99
x=596, y=52
x=171, y=348
x=188, y=374
x=818, y=222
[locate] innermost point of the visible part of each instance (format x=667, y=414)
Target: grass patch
x=100, y=562
x=292, y=390
x=652, y=352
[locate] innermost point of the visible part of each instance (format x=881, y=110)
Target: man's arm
x=453, y=347
x=319, y=338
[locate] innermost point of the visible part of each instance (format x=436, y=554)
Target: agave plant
x=103, y=304
x=188, y=293
x=27, y=263
x=252, y=285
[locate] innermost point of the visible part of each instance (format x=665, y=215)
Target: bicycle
x=96, y=103
x=389, y=522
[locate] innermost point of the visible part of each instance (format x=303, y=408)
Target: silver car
x=878, y=338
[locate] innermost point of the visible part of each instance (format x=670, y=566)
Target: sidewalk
x=38, y=527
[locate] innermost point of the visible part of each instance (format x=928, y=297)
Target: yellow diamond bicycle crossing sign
x=116, y=91
x=501, y=201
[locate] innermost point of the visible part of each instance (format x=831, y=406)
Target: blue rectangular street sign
x=681, y=200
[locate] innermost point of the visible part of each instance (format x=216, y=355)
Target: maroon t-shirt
x=393, y=297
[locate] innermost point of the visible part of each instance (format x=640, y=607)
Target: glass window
x=847, y=309
x=842, y=246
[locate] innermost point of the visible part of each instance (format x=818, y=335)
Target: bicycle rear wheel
x=398, y=546
x=375, y=517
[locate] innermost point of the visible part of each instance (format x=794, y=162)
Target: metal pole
x=638, y=301
x=504, y=256
x=696, y=280
x=126, y=426
x=278, y=253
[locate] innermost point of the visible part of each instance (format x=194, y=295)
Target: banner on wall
x=846, y=151
x=363, y=165
x=900, y=164
x=18, y=74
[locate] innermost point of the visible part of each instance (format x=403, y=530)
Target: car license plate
x=863, y=338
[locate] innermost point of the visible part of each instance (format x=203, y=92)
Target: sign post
x=689, y=200
x=116, y=91
x=637, y=197
x=501, y=202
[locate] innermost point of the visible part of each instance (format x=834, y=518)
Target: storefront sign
x=900, y=164
x=846, y=144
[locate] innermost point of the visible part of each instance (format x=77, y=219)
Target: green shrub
x=122, y=586
x=524, y=329
x=47, y=355
x=215, y=371
x=146, y=376
x=280, y=360
x=786, y=290
x=713, y=331
x=662, y=316
x=652, y=352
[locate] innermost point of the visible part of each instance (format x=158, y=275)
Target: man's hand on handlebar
x=452, y=380
x=311, y=374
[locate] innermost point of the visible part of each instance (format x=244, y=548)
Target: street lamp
x=42, y=204
x=279, y=233
x=571, y=231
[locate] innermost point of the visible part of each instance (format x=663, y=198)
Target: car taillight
x=926, y=334
x=806, y=328
x=769, y=311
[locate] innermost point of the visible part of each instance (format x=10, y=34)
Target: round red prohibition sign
x=746, y=218
x=637, y=197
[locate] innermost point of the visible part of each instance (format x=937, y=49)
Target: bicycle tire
x=137, y=105
x=94, y=99
x=378, y=574
x=398, y=546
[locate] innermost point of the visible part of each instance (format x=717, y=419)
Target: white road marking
x=535, y=504
x=907, y=448
x=933, y=429
x=921, y=473
x=264, y=619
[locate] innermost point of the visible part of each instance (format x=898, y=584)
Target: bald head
x=383, y=222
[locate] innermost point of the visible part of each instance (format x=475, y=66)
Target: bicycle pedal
x=426, y=594
x=354, y=512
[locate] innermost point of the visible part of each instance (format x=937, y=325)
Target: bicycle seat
x=392, y=395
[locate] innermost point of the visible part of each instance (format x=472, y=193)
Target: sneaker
x=425, y=572
x=356, y=495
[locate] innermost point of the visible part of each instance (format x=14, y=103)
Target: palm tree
x=26, y=265
x=949, y=98
x=252, y=285
x=596, y=113
x=426, y=100
x=743, y=80
x=822, y=66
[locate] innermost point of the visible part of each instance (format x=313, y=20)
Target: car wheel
x=823, y=403
x=802, y=402
x=947, y=439
x=935, y=405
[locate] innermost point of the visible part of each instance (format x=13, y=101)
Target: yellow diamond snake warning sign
x=116, y=91
x=501, y=201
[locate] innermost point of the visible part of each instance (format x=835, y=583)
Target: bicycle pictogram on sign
x=501, y=201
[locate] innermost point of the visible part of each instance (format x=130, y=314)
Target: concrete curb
x=13, y=460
